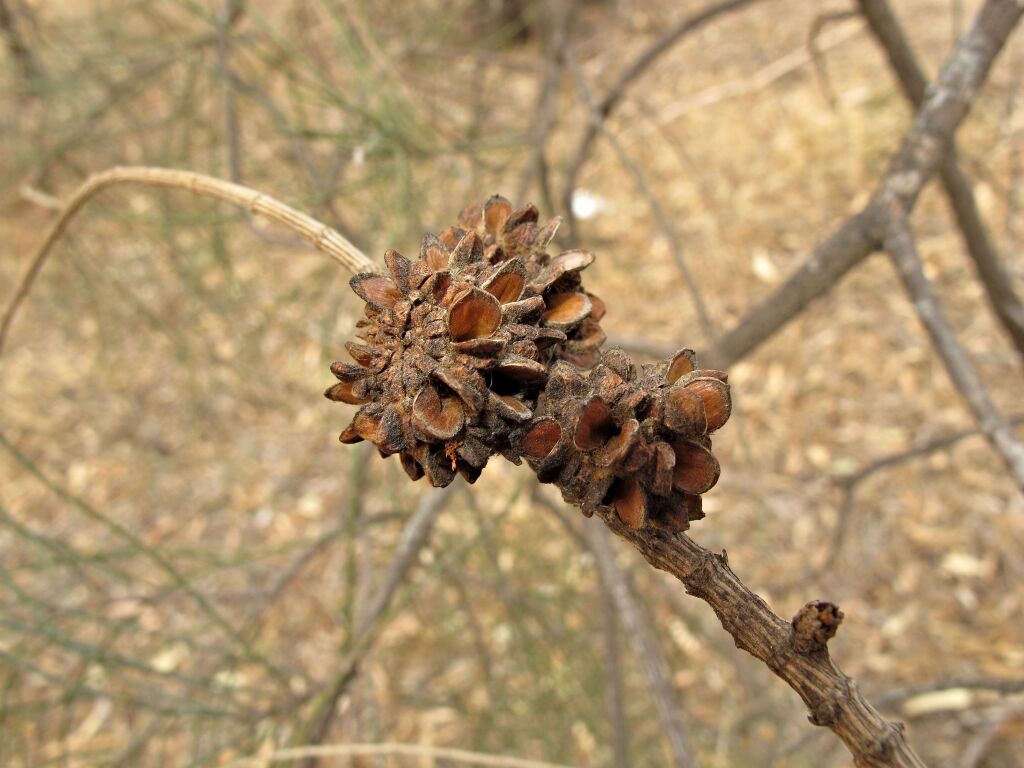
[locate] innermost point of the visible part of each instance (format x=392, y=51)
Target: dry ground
x=185, y=548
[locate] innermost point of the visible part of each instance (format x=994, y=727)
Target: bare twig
x=849, y=483
x=833, y=698
x=759, y=80
x=923, y=148
x=616, y=93
x=664, y=222
x=814, y=48
x=614, y=687
x=1007, y=687
x=979, y=746
x=321, y=236
x=229, y=12
x=410, y=750
x=645, y=649
x=899, y=242
x=899, y=695
x=18, y=48
x=414, y=538
x=562, y=14
x=993, y=274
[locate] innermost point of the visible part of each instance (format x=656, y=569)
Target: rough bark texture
x=832, y=698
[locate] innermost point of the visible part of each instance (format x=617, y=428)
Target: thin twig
x=18, y=48
x=994, y=277
x=229, y=12
x=606, y=105
x=945, y=107
x=745, y=86
x=979, y=746
x=464, y=756
x=321, y=236
x=614, y=581
x=899, y=242
x=849, y=483
x=562, y=14
x=814, y=48
x=414, y=538
x=664, y=222
x=1006, y=687
x=614, y=686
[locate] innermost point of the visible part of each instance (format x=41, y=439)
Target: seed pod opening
x=522, y=369
x=506, y=284
x=363, y=427
x=476, y=314
x=440, y=417
x=629, y=502
x=511, y=407
x=521, y=311
x=548, y=336
x=468, y=251
x=436, y=286
x=595, y=426
x=342, y=393
x=541, y=439
x=437, y=466
x=565, y=263
x=496, y=212
x=480, y=347
x=618, y=446
x=376, y=290
x=590, y=335
x=547, y=233
x=411, y=466
x=390, y=437
x=717, y=401
x=471, y=398
x=528, y=214
x=683, y=412
x=696, y=469
x=684, y=362
x=566, y=310
x=346, y=371
x=665, y=462
x=434, y=253
x=361, y=353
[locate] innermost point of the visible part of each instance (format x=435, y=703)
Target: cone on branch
x=636, y=441
x=488, y=345
x=455, y=346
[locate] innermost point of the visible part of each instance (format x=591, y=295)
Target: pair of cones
x=487, y=345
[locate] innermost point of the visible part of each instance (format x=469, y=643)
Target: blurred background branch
x=165, y=375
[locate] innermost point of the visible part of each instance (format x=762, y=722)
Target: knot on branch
x=814, y=625
x=487, y=345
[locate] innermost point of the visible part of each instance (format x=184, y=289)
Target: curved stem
x=321, y=236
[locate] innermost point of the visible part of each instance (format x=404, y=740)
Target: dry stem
x=833, y=698
x=994, y=276
x=924, y=149
x=424, y=751
x=321, y=236
x=900, y=243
